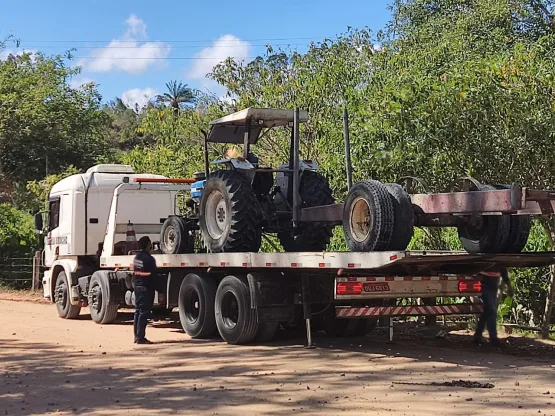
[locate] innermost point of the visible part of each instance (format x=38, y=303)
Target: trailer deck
x=347, y=263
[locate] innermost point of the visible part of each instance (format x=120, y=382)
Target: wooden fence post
x=36, y=271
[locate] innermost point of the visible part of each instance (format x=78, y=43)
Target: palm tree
x=178, y=94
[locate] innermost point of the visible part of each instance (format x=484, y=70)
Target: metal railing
x=21, y=272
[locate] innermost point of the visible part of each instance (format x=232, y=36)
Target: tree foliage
x=43, y=122
x=17, y=233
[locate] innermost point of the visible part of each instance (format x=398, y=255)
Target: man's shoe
x=144, y=341
x=477, y=340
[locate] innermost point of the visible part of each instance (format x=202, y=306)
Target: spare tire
x=403, y=227
x=229, y=214
x=175, y=237
x=484, y=233
x=368, y=217
x=519, y=230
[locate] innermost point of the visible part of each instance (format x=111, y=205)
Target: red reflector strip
x=465, y=286
x=321, y=264
x=165, y=264
x=117, y=265
x=102, y=265
x=349, y=288
x=353, y=265
x=224, y=263
x=270, y=264
x=184, y=264
x=203, y=264
x=295, y=264
x=246, y=265
x=394, y=257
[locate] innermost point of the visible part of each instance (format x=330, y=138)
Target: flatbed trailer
x=341, y=292
x=246, y=296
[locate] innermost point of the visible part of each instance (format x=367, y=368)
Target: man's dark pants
x=488, y=318
x=144, y=299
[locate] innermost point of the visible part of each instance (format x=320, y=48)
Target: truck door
x=59, y=228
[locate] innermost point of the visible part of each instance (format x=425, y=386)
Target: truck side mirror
x=38, y=223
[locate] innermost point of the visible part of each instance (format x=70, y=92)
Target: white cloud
x=7, y=52
x=78, y=82
x=224, y=47
x=227, y=46
x=128, y=54
x=138, y=97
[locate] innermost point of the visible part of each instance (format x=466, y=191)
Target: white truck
x=246, y=295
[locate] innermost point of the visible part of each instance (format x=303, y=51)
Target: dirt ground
x=54, y=366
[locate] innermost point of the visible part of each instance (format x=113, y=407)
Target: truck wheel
x=519, y=231
x=175, y=237
x=196, y=305
x=368, y=217
x=403, y=227
x=62, y=297
x=237, y=323
x=229, y=214
x=315, y=191
x=266, y=331
x=102, y=312
x=485, y=233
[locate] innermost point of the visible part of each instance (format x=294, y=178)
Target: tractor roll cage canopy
x=232, y=128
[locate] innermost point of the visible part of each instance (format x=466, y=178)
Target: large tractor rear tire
x=315, y=191
x=229, y=214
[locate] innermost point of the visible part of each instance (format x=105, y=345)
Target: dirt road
x=49, y=365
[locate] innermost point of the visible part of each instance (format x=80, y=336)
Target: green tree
x=17, y=233
x=45, y=124
x=178, y=95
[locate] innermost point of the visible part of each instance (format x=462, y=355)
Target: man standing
x=488, y=318
x=144, y=280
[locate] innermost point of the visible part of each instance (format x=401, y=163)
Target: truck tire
x=519, y=231
x=403, y=228
x=62, y=297
x=368, y=217
x=314, y=191
x=266, y=331
x=237, y=323
x=196, y=305
x=229, y=214
x=485, y=233
x=102, y=311
x=175, y=237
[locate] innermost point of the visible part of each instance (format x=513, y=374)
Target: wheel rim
x=61, y=294
x=230, y=311
x=170, y=237
x=95, y=301
x=216, y=214
x=360, y=219
x=192, y=306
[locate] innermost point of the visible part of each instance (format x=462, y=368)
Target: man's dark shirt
x=144, y=262
x=492, y=283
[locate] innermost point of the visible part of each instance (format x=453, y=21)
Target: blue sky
x=182, y=41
